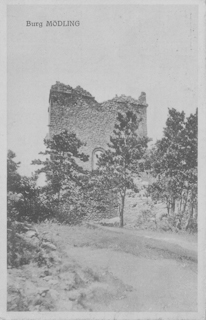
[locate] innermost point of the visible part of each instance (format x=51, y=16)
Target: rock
x=20, y=279
x=28, y=225
x=114, y=222
x=67, y=281
x=47, y=278
x=65, y=305
x=55, y=257
x=48, y=245
x=164, y=225
x=29, y=228
x=21, y=236
x=35, y=241
x=13, y=288
x=42, y=290
x=45, y=273
x=54, y=294
x=25, y=228
x=53, y=282
x=30, y=287
x=160, y=215
x=35, y=308
x=74, y=295
x=38, y=300
x=31, y=233
x=129, y=288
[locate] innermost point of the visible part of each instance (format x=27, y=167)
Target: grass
x=91, y=286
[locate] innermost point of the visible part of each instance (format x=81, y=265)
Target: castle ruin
x=76, y=110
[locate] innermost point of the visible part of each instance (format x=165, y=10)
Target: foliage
x=24, y=197
x=22, y=249
x=13, y=177
x=96, y=198
x=121, y=163
x=23, y=204
x=19, y=252
x=63, y=173
x=173, y=161
x=27, y=204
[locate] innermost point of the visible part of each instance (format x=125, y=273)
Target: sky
x=117, y=49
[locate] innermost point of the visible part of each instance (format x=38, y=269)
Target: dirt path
x=156, y=285
x=108, y=270
x=185, y=241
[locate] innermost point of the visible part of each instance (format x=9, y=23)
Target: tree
x=30, y=206
x=63, y=173
x=173, y=161
x=120, y=164
x=13, y=177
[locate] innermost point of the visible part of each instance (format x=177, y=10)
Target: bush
x=19, y=252
x=22, y=250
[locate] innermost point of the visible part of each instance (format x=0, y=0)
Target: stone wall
x=77, y=111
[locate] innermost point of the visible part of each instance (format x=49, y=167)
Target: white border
x=201, y=314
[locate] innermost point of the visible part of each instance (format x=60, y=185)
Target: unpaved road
x=103, y=269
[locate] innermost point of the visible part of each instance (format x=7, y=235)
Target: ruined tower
x=76, y=110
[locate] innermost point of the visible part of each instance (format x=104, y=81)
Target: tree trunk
x=59, y=202
x=121, y=223
x=189, y=220
x=185, y=203
x=173, y=207
x=180, y=205
x=168, y=206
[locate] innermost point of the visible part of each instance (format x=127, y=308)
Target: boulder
x=114, y=222
x=55, y=257
x=48, y=245
x=46, y=272
x=31, y=233
x=54, y=294
x=53, y=281
x=43, y=290
x=35, y=241
x=160, y=215
x=46, y=278
x=164, y=225
x=74, y=295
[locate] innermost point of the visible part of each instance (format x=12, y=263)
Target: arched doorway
x=95, y=156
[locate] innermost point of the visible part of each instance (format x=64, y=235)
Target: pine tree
x=120, y=164
x=13, y=177
x=61, y=166
x=173, y=161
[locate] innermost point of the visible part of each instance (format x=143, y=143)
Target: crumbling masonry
x=77, y=111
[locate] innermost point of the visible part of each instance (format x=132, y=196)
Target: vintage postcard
x=105, y=145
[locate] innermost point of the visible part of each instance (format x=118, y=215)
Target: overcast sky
x=122, y=49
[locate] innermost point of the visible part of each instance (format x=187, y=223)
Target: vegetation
x=63, y=174
x=120, y=164
x=24, y=199
x=72, y=192
x=173, y=161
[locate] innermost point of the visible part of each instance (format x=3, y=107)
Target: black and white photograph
x=104, y=194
